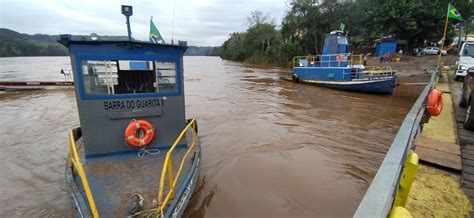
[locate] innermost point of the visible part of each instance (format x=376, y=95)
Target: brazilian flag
x=155, y=35
x=453, y=13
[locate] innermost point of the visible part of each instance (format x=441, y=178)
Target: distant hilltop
x=14, y=44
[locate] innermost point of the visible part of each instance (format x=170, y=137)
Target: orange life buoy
x=340, y=58
x=435, y=102
x=139, y=133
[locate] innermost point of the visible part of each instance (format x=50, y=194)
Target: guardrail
x=318, y=59
x=377, y=71
x=76, y=162
x=168, y=167
x=379, y=198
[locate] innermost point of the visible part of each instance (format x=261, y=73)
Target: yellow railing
x=378, y=70
x=350, y=58
x=168, y=167
x=76, y=162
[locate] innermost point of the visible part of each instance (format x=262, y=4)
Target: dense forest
x=305, y=23
x=17, y=44
x=13, y=44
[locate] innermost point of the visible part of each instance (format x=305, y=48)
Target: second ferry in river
x=337, y=69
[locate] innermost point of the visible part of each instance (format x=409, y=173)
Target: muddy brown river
x=270, y=148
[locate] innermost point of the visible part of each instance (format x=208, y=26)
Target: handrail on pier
x=379, y=198
x=378, y=71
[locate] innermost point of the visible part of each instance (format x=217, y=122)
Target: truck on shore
x=465, y=61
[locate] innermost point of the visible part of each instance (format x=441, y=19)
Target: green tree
x=257, y=17
x=305, y=24
x=233, y=49
x=415, y=21
x=308, y=23
x=259, y=44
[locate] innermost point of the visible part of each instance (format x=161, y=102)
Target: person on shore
x=384, y=58
x=366, y=57
x=388, y=57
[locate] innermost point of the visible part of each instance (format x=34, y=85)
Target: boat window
x=331, y=43
x=114, y=77
x=342, y=40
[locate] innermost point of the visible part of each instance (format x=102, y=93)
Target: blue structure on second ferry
x=336, y=68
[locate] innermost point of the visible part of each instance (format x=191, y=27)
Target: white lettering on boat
x=186, y=191
x=132, y=104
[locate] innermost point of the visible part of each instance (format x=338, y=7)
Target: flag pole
x=443, y=39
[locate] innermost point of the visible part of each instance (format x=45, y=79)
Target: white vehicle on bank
x=432, y=51
x=465, y=61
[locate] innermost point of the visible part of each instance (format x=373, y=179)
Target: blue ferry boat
x=338, y=69
x=135, y=154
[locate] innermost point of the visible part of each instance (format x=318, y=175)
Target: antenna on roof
x=127, y=11
x=172, y=25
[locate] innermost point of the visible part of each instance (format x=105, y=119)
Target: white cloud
x=200, y=22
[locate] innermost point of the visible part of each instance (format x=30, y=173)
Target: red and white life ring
x=340, y=58
x=139, y=133
x=435, y=102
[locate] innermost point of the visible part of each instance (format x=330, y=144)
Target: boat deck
x=113, y=180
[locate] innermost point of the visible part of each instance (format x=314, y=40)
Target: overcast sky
x=200, y=22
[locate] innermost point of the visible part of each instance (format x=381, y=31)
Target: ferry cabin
x=135, y=151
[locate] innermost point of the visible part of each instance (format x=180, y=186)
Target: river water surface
x=269, y=147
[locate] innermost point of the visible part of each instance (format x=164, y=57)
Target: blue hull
x=347, y=78
x=376, y=86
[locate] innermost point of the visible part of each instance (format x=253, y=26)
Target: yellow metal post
x=82, y=174
x=170, y=177
x=406, y=180
x=351, y=60
x=400, y=212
